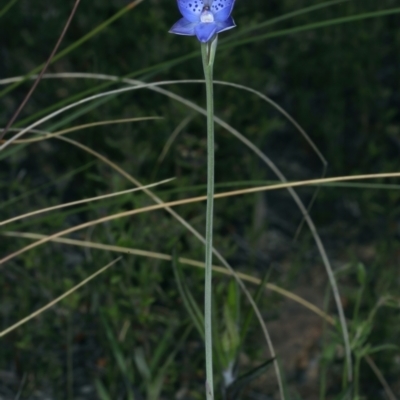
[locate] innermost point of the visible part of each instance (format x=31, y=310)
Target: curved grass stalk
x=182, y=125
x=74, y=203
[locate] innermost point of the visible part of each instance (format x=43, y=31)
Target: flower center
x=206, y=17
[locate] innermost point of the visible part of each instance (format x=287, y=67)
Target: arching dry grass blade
x=58, y=299
x=83, y=201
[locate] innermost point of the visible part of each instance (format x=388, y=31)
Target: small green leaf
x=361, y=275
x=101, y=390
x=141, y=364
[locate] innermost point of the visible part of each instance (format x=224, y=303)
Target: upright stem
x=208, y=53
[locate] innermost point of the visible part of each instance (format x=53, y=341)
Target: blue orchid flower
x=204, y=18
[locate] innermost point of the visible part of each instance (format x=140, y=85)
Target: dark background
x=339, y=82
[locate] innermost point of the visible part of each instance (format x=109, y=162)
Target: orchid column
x=205, y=19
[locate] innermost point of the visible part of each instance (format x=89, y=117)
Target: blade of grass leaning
x=181, y=126
x=67, y=119
x=155, y=389
x=58, y=299
x=238, y=184
x=119, y=357
x=101, y=390
x=160, y=350
x=257, y=298
x=83, y=201
x=7, y=7
x=190, y=304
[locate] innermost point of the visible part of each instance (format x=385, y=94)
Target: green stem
x=208, y=53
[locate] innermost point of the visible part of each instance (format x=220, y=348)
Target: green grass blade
x=187, y=298
x=78, y=113
x=101, y=390
x=250, y=314
x=156, y=387
x=160, y=350
x=127, y=375
x=7, y=7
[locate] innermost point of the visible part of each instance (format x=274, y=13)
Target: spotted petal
x=205, y=32
x=225, y=25
x=183, y=27
x=191, y=9
x=222, y=9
